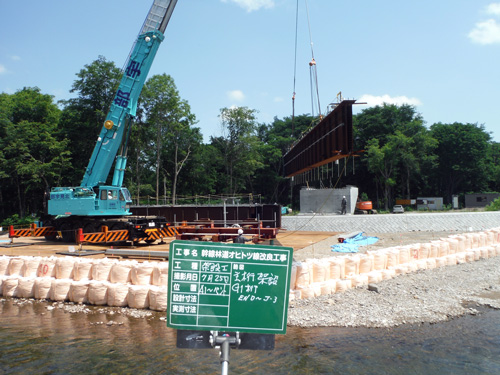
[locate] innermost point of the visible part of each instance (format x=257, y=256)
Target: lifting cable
x=312, y=69
x=313, y=74
x=295, y=65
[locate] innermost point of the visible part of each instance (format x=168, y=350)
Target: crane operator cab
x=82, y=201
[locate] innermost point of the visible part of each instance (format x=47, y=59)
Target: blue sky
x=440, y=55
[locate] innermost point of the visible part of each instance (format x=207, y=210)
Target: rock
x=373, y=288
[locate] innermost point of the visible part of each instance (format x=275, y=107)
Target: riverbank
x=425, y=296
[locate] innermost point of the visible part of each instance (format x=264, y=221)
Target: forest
x=44, y=143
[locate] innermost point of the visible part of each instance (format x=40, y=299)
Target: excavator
x=96, y=202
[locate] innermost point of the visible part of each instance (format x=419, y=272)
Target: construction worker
x=343, y=206
x=240, y=238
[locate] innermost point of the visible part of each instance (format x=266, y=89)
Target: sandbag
x=82, y=269
x=388, y=274
x=351, y=265
x=142, y=273
x=15, y=266
x=460, y=258
x=10, y=286
x=79, y=290
x=469, y=256
x=404, y=254
x=414, y=251
x=392, y=257
x=451, y=259
x=359, y=280
x=102, y=269
x=482, y=239
x=138, y=296
x=42, y=286
x=120, y=272
x=434, y=250
x=30, y=266
x=158, y=298
x=160, y=274
x=303, y=279
x=431, y=263
x=321, y=270
x=64, y=268
x=441, y=262
x=412, y=267
x=98, y=292
x=46, y=268
x=365, y=263
x=421, y=264
x=343, y=285
x=293, y=276
x=379, y=260
x=4, y=265
x=337, y=267
x=453, y=245
x=374, y=277
x=326, y=288
x=26, y=287
x=60, y=289
x=117, y=295
x=425, y=251
x=306, y=293
x=492, y=251
x=484, y=253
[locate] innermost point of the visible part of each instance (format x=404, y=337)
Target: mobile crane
x=95, y=203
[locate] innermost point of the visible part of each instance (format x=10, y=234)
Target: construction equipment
x=95, y=204
x=363, y=208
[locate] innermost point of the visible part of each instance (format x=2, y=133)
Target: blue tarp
x=351, y=245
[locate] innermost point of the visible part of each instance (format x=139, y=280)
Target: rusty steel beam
x=328, y=141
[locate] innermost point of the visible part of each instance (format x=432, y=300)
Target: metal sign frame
x=228, y=287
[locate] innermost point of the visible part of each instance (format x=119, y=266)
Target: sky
x=442, y=56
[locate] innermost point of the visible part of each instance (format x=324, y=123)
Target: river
x=38, y=339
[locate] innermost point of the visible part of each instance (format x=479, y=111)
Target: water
x=36, y=340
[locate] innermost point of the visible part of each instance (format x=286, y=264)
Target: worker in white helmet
x=240, y=238
x=343, y=206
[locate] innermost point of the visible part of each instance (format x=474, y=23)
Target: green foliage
x=493, y=206
x=16, y=221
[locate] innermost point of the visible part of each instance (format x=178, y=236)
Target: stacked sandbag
x=98, y=292
x=142, y=273
x=138, y=296
x=30, y=266
x=78, y=292
x=120, y=272
x=101, y=269
x=46, y=268
x=117, y=295
x=4, y=265
x=60, y=290
x=158, y=298
x=42, y=287
x=337, y=268
x=82, y=269
x=303, y=278
x=15, y=266
x=10, y=286
x=26, y=287
x=160, y=274
x=64, y=268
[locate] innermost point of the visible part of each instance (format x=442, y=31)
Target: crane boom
x=115, y=131
x=95, y=203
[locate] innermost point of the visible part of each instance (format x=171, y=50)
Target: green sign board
x=228, y=287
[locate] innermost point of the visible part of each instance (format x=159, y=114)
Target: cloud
x=373, y=100
x=487, y=32
x=3, y=69
x=15, y=58
x=236, y=95
x=251, y=5
x=493, y=8
x=278, y=99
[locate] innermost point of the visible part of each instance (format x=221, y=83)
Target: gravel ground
x=426, y=296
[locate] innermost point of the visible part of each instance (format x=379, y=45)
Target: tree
x=238, y=147
x=463, y=158
x=398, y=147
x=171, y=120
x=83, y=116
x=34, y=155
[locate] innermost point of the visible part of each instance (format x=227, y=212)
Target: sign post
x=228, y=289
